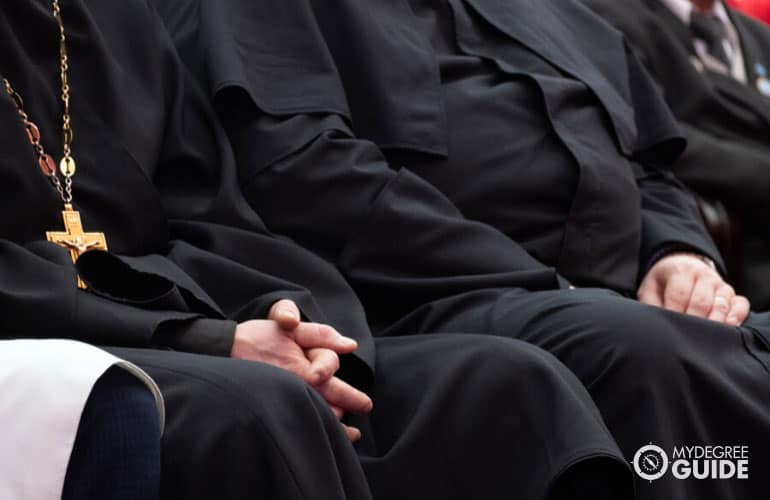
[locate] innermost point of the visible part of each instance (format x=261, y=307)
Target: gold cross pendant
x=75, y=239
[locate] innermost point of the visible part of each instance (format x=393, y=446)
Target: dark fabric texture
x=153, y=175
x=242, y=430
x=227, y=43
x=116, y=455
x=656, y=376
x=726, y=122
x=189, y=255
x=503, y=86
x=449, y=426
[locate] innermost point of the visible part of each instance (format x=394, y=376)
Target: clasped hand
x=309, y=350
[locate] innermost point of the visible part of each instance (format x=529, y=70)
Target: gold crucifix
x=75, y=239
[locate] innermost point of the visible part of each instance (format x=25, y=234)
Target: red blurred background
x=757, y=8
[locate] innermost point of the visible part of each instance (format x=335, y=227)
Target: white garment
x=683, y=10
x=44, y=386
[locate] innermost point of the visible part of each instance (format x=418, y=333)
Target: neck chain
x=73, y=238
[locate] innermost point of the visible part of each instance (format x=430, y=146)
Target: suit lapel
x=748, y=46
x=729, y=88
x=754, y=58
x=749, y=98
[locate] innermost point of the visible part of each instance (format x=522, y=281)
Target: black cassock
x=550, y=145
x=189, y=258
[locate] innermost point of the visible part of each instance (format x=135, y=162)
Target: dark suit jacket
x=727, y=123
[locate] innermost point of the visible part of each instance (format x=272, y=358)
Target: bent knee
x=627, y=336
x=503, y=365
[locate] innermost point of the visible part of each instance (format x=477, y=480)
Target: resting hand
x=308, y=350
x=684, y=283
x=286, y=316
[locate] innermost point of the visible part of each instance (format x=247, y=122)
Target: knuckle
x=700, y=302
x=721, y=306
x=332, y=391
x=326, y=372
x=293, y=367
x=330, y=363
x=325, y=333
x=307, y=335
x=318, y=335
x=676, y=296
x=334, y=361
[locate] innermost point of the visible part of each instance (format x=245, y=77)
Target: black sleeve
x=200, y=336
x=219, y=245
x=670, y=218
x=40, y=299
x=396, y=238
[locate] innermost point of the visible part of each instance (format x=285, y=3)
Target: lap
x=590, y=320
x=620, y=347
x=656, y=376
x=237, y=430
x=461, y=411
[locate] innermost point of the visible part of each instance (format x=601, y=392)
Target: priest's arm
x=191, y=268
x=166, y=283
x=396, y=237
x=40, y=300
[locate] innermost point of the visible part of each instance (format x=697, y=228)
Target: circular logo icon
x=650, y=462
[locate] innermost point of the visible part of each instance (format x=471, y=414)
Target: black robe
x=189, y=258
x=726, y=122
x=539, y=123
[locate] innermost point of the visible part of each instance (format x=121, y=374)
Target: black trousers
x=656, y=376
x=116, y=455
x=455, y=417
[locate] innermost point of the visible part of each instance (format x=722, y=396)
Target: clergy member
x=125, y=228
x=466, y=164
x=713, y=64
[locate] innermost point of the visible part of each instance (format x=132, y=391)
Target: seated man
x=193, y=279
x=553, y=146
x=78, y=424
x=713, y=65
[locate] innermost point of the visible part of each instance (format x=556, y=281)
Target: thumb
x=286, y=314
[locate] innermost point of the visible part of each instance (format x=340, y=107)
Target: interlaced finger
x=312, y=335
